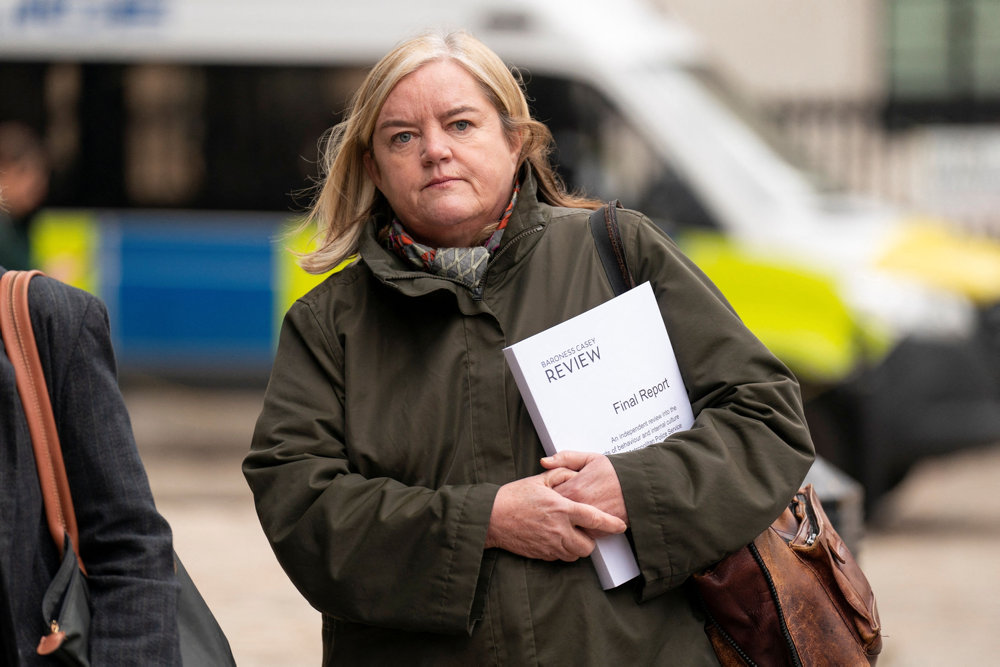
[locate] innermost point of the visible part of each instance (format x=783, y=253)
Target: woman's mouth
x=443, y=180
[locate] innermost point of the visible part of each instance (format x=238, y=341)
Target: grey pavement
x=931, y=556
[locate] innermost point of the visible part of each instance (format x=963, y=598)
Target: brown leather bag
x=793, y=596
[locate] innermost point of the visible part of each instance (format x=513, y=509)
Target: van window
x=244, y=137
x=600, y=152
x=148, y=135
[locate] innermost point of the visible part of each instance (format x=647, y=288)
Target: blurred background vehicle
x=183, y=136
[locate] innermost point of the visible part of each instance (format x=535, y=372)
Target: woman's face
x=440, y=156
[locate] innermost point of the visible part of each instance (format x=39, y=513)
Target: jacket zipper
x=477, y=293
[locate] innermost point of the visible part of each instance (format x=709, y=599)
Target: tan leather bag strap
x=22, y=350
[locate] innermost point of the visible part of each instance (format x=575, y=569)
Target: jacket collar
x=528, y=217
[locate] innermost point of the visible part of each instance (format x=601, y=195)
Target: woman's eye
x=461, y=125
x=402, y=138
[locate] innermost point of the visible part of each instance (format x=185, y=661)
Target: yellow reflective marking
x=941, y=257
x=798, y=314
x=65, y=245
x=291, y=281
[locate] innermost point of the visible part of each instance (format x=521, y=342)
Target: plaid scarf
x=467, y=265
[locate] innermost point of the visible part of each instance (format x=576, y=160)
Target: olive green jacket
x=391, y=420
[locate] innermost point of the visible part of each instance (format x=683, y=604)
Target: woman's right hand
x=532, y=520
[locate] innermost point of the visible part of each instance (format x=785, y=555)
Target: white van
x=893, y=327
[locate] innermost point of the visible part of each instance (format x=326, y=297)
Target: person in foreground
x=124, y=542
x=394, y=467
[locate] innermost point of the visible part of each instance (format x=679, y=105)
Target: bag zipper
x=793, y=652
x=810, y=517
x=722, y=631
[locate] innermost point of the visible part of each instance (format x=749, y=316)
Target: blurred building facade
x=896, y=98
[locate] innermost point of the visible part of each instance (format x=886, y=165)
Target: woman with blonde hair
x=347, y=197
x=394, y=466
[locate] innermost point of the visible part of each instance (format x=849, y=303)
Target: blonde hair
x=346, y=197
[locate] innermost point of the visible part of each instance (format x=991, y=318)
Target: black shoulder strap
x=607, y=237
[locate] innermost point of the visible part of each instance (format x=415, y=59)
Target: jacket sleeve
x=366, y=550
x=708, y=491
x=124, y=542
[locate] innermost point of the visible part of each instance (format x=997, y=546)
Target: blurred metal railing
x=947, y=171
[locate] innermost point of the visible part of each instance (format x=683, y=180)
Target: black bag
x=66, y=604
x=203, y=644
x=66, y=608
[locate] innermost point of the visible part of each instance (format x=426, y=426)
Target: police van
x=184, y=138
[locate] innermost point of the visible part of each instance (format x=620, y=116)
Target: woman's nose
x=436, y=146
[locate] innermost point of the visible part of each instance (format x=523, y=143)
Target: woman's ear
x=516, y=142
x=372, y=168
